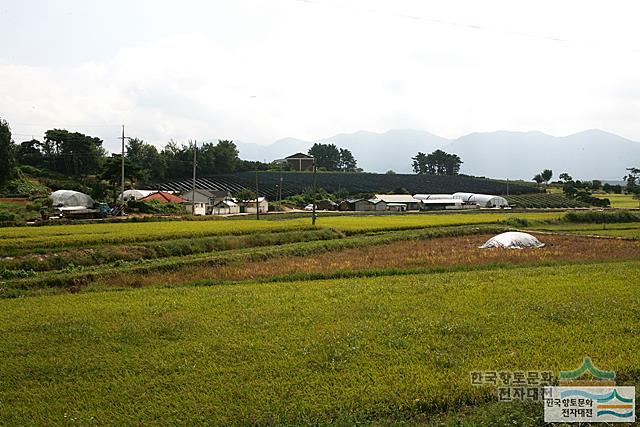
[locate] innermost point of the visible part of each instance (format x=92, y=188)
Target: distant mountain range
x=592, y=154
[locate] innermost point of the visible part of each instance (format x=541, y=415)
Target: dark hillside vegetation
x=300, y=182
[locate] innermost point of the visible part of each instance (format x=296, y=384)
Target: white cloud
x=265, y=70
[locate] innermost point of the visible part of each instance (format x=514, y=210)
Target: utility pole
x=257, y=204
x=193, y=194
x=507, y=186
x=122, y=168
x=280, y=190
x=313, y=201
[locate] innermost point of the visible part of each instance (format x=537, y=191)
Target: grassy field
x=21, y=240
x=383, y=350
x=622, y=201
x=629, y=230
x=363, y=320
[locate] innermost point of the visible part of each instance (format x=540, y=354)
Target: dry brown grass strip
x=429, y=253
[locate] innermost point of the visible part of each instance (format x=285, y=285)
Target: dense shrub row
x=600, y=217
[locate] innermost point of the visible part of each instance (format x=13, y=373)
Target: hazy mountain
x=592, y=154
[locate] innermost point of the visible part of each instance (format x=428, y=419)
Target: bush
x=602, y=216
x=155, y=207
x=7, y=217
x=516, y=222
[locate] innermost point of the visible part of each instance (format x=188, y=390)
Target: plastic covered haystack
x=513, y=240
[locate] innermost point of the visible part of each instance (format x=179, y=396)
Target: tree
x=565, y=177
x=245, y=195
x=146, y=160
x=28, y=153
x=327, y=156
x=112, y=172
x=596, y=184
x=546, y=176
x=7, y=153
x=420, y=163
x=347, y=161
x=632, y=179
x=73, y=153
x=437, y=163
x=538, y=179
x=390, y=172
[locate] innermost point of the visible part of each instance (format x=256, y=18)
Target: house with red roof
x=163, y=197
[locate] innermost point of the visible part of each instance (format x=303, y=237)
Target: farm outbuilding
x=70, y=198
x=327, y=205
x=482, y=200
x=370, y=205
x=250, y=205
x=408, y=200
x=225, y=207
x=433, y=204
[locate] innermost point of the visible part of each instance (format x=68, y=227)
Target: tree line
x=76, y=155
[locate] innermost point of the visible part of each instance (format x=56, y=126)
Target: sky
x=260, y=70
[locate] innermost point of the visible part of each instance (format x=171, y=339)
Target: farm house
x=208, y=197
x=163, y=197
x=482, y=200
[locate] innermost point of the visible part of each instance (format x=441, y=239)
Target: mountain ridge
x=588, y=154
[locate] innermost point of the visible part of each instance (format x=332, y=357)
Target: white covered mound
x=513, y=240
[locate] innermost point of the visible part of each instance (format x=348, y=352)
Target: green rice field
x=362, y=320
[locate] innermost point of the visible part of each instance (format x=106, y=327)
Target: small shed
x=411, y=203
x=370, y=205
x=434, y=204
x=326, y=205
x=250, y=205
x=195, y=209
x=225, y=207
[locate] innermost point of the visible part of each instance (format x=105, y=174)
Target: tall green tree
x=73, y=153
x=327, y=156
x=112, y=173
x=546, y=176
x=347, y=161
x=147, y=160
x=437, y=163
x=7, y=153
x=538, y=179
x=29, y=153
x=632, y=179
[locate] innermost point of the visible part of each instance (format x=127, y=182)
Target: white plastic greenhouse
x=69, y=198
x=136, y=194
x=513, y=240
x=483, y=200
